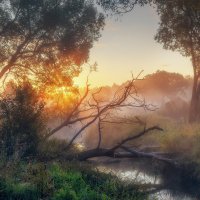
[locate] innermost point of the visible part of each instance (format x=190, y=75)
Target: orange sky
x=127, y=45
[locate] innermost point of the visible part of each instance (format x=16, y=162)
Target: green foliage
x=65, y=193
x=179, y=27
x=51, y=181
x=22, y=122
x=89, y=184
x=20, y=191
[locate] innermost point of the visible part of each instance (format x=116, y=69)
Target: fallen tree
x=97, y=112
x=116, y=151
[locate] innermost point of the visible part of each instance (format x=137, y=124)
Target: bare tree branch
x=139, y=135
x=67, y=121
x=103, y=111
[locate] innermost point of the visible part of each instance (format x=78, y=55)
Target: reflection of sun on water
x=80, y=146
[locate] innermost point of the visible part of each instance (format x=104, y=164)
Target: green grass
x=69, y=182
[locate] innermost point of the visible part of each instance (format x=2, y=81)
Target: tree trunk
x=128, y=153
x=194, y=114
x=193, y=104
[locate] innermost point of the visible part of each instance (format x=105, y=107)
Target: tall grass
x=69, y=182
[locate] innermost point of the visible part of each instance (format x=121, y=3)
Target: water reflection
x=166, y=195
x=142, y=172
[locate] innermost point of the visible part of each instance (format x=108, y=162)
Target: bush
x=19, y=191
x=21, y=122
x=65, y=193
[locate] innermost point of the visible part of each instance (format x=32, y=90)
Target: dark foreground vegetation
x=32, y=181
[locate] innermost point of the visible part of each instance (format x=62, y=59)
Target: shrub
x=21, y=122
x=20, y=191
x=65, y=193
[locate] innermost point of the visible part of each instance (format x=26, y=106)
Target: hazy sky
x=127, y=45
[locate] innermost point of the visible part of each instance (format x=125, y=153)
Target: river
x=171, y=184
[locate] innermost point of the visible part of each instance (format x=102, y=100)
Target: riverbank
x=160, y=180
x=66, y=181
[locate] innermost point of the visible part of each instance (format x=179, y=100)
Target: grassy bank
x=33, y=181
x=179, y=139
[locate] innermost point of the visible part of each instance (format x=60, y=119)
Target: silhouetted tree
x=50, y=38
x=119, y=6
x=180, y=31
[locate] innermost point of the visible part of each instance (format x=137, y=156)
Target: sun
x=62, y=91
x=60, y=97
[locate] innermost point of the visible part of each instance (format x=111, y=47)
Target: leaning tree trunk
x=198, y=102
x=193, y=104
x=194, y=114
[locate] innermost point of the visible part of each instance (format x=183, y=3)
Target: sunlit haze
x=127, y=45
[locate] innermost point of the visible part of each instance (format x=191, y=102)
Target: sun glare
x=61, y=91
x=61, y=97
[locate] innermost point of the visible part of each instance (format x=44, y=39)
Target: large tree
x=50, y=38
x=180, y=31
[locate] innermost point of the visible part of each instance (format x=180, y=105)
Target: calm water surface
x=147, y=173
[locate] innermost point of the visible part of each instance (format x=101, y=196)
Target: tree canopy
x=48, y=37
x=120, y=6
x=180, y=27
x=166, y=82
